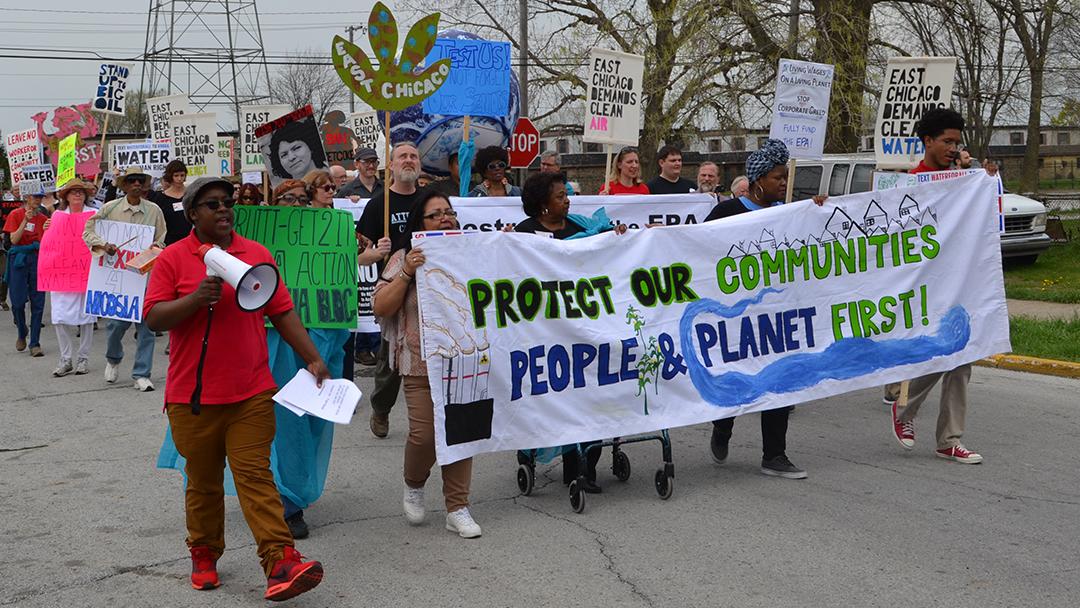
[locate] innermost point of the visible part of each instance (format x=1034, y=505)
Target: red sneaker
x=204, y=569
x=291, y=576
x=903, y=431
x=960, y=454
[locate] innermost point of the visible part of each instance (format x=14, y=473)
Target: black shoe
x=297, y=525
x=718, y=445
x=590, y=487
x=781, y=467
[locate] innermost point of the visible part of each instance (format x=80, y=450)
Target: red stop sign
x=524, y=144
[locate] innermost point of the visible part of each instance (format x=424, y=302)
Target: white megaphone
x=254, y=285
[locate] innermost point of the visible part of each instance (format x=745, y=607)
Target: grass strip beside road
x=1057, y=339
x=1055, y=277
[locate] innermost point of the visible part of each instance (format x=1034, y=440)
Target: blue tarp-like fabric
x=300, y=454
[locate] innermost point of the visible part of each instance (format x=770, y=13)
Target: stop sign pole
x=524, y=143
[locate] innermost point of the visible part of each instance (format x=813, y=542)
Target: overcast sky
x=117, y=29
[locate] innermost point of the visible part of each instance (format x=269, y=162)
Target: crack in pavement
x=600, y=540
x=23, y=449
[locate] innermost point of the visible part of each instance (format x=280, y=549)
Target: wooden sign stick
x=386, y=180
x=104, y=130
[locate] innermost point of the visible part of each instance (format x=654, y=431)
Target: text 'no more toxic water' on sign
x=533, y=342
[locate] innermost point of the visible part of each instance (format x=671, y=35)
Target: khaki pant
x=420, y=447
x=243, y=433
x=953, y=408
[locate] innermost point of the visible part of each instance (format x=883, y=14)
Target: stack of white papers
x=335, y=401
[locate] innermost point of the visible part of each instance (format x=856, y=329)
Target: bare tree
x=135, y=119
x=310, y=79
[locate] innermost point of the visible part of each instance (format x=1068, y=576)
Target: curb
x=1034, y=365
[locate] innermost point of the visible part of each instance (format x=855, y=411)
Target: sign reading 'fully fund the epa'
x=533, y=342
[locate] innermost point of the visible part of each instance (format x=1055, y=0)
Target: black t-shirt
x=533, y=225
x=371, y=221
x=357, y=188
x=177, y=225
x=660, y=185
x=728, y=208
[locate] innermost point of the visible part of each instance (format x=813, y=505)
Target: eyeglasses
x=247, y=197
x=327, y=187
x=438, y=215
x=369, y=161
x=290, y=198
x=496, y=165
x=215, y=204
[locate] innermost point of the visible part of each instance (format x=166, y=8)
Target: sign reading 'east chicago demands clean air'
x=533, y=342
x=315, y=251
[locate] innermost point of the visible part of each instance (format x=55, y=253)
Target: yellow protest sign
x=65, y=163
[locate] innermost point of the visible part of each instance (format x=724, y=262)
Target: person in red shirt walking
x=625, y=177
x=234, y=415
x=23, y=228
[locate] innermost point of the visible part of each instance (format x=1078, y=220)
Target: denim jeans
x=368, y=342
x=24, y=289
x=144, y=352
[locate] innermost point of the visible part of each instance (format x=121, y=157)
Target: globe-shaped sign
x=437, y=136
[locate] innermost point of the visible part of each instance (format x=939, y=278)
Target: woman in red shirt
x=625, y=177
x=24, y=227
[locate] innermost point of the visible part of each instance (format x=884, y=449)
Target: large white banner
x=534, y=342
x=251, y=158
x=113, y=291
x=161, y=109
x=613, y=97
x=912, y=86
x=194, y=141
x=885, y=180
x=801, y=106
x=23, y=149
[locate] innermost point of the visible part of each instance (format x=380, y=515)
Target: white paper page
x=335, y=401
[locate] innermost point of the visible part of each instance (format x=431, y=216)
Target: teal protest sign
x=315, y=251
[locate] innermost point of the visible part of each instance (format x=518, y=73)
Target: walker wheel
x=577, y=497
x=620, y=466
x=664, y=485
x=526, y=478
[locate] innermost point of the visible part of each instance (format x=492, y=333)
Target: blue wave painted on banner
x=848, y=358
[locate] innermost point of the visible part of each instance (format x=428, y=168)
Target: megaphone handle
x=196, y=395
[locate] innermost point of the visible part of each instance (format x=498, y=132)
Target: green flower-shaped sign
x=393, y=86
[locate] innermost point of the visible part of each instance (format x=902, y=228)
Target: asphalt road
x=88, y=521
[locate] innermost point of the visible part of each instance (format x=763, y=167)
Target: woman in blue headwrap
x=766, y=168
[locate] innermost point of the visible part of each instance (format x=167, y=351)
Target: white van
x=839, y=174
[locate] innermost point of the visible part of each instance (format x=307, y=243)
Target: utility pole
x=793, y=28
x=523, y=45
x=352, y=98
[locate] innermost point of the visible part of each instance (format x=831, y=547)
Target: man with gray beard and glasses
x=404, y=171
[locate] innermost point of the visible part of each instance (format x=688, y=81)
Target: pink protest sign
x=64, y=259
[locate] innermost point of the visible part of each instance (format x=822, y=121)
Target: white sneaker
x=63, y=369
x=414, y=505
x=461, y=522
x=143, y=385
x=112, y=372
x=82, y=367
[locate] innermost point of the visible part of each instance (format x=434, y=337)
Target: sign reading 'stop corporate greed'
x=534, y=342
x=912, y=86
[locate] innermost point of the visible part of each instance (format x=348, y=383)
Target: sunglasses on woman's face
x=496, y=165
x=247, y=197
x=289, y=198
x=214, y=204
x=327, y=187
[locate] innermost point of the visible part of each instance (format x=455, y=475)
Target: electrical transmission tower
x=210, y=49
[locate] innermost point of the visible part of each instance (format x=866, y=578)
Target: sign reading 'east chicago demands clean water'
x=533, y=342
x=315, y=252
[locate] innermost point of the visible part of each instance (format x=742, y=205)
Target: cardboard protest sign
x=194, y=141
x=252, y=117
x=102, y=192
x=291, y=146
x=479, y=79
x=23, y=148
x=912, y=85
x=338, y=139
x=251, y=177
x=151, y=156
x=111, y=87
x=37, y=179
x=533, y=342
x=161, y=109
x=66, y=120
x=365, y=125
x=315, y=251
x=65, y=169
x=64, y=258
x=113, y=291
x=613, y=99
x=226, y=152
x=801, y=106
x=397, y=84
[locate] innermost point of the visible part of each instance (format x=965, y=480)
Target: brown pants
x=953, y=408
x=242, y=432
x=420, y=447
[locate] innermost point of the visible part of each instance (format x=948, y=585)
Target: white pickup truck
x=836, y=175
